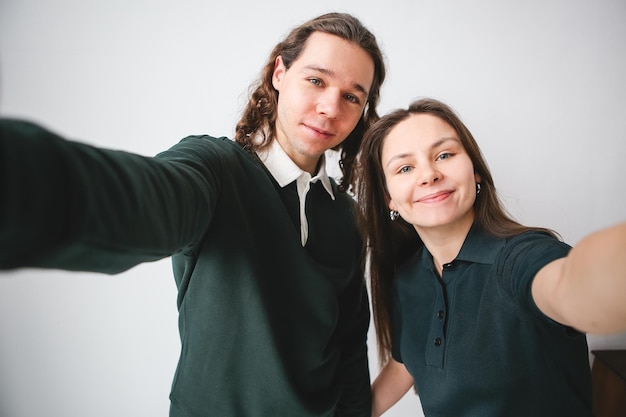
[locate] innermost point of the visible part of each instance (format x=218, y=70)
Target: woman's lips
x=435, y=197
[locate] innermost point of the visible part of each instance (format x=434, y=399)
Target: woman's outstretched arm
x=587, y=289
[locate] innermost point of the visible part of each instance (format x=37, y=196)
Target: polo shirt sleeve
x=520, y=260
x=68, y=205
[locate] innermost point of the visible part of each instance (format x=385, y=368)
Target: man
x=267, y=259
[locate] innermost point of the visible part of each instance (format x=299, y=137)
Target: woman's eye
x=405, y=168
x=443, y=156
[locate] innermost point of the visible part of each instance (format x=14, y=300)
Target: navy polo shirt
x=475, y=342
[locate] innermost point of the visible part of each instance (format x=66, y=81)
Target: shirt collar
x=478, y=247
x=285, y=171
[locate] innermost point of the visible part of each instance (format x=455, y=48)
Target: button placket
x=435, y=348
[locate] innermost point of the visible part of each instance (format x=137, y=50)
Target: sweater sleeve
x=68, y=205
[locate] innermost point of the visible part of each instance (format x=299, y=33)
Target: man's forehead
x=328, y=54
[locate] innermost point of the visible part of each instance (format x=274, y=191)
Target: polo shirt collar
x=285, y=171
x=478, y=247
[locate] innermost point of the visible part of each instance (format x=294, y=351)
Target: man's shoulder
x=220, y=142
x=206, y=146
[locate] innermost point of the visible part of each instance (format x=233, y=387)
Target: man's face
x=321, y=97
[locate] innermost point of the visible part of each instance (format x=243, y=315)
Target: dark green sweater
x=268, y=328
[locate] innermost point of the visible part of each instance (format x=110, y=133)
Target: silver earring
x=393, y=215
x=477, y=188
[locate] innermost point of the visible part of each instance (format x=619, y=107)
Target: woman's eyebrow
x=436, y=144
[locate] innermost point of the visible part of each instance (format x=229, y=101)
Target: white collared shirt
x=285, y=171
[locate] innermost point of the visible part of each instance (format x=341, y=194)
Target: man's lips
x=435, y=197
x=318, y=130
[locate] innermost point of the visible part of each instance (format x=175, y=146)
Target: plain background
x=540, y=84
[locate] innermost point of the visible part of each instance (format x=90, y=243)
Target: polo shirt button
x=440, y=314
x=437, y=341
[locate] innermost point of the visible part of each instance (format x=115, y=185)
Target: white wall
x=540, y=84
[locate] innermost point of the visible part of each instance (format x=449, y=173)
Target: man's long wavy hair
x=390, y=243
x=257, y=127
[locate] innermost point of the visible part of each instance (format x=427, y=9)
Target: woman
x=485, y=316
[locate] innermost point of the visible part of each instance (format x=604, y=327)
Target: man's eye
x=352, y=99
x=315, y=81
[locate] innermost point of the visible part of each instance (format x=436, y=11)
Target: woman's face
x=430, y=177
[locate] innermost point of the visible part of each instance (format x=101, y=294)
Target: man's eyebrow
x=332, y=74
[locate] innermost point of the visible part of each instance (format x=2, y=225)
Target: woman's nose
x=428, y=174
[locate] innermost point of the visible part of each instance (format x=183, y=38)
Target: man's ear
x=279, y=72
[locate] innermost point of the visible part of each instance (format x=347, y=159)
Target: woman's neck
x=445, y=242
